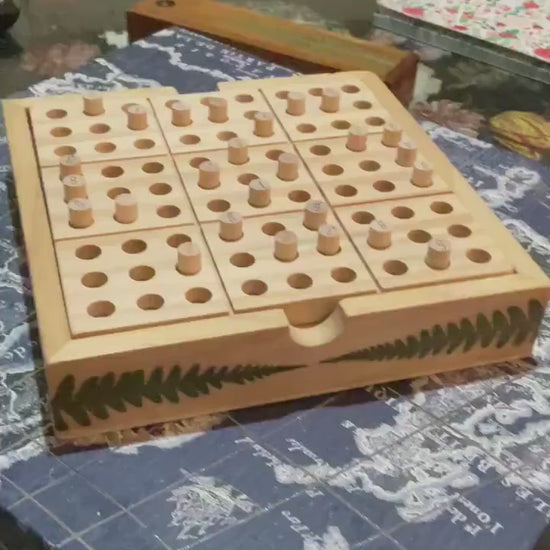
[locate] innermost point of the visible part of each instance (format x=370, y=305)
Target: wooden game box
x=268, y=241
x=304, y=48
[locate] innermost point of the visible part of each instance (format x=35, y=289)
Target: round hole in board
x=272, y=228
x=350, y=89
x=254, y=287
x=65, y=150
x=114, y=192
x=419, y=236
x=340, y=124
x=197, y=161
x=332, y=169
x=198, y=295
x=402, y=212
x=61, y=131
x=343, y=274
x=245, y=179
x=141, y=273
x=190, y=139
x=144, y=143
x=177, y=238
x=317, y=92
x=150, y=302
x=299, y=195
x=250, y=115
x=244, y=98
x=375, y=121
x=441, y=207
x=362, y=217
x=346, y=190
x=305, y=128
x=56, y=113
x=160, y=189
x=168, y=211
x=99, y=128
x=105, y=147
x=362, y=105
x=112, y=171
x=282, y=94
x=459, y=231
x=299, y=281
x=395, y=267
x=103, y=308
x=153, y=167
x=242, y=259
x=369, y=165
x=134, y=246
x=226, y=136
x=320, y=150
x=478, y=255
x=94, y=279
x=384, y=186
x=274, y=154
x=88, y=252
x=218, y=205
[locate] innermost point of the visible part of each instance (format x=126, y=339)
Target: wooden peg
x=357, y=138
x=74, y=187
x=392, y=134
x=263, y=124
x=286, y=246
x=80, y=213
x=189, y=259
x=315, y=214
x=438, y=255
x=137, y=117
x=237, y=151
x=406, y=152
x=69, y=164
x=209, y=175
x=295, y=103
x=259, y=193
x=379, y=235
x=328, y=239
x=231, y=226
x=181, y=113
x=93, y=104
x=288, y=167
x=217, y=109
x=126, y=208
x=422, y=174
x=330, y=100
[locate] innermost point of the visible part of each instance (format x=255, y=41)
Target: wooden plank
x=279, y=40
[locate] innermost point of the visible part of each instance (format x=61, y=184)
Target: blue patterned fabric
x=452, y=461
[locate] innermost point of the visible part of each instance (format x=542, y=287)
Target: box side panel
x=132, y=389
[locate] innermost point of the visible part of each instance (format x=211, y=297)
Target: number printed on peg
x=74, y=187
x=315, y=214
x=259, y=193
x=422, y=174
x=406, y=152
x=438, y=255
x=379, y=235
x=68, y=165
x=328, y=239
x=80, y=213
x=231, y=226
x=263, y=124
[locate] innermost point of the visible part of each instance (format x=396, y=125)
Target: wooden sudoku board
x=271, y=240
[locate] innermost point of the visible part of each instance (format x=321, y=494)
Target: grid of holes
x=223, y=136
x=159, y=188
x=139, y=272
x=366, y=165
x=298, y=196
x=297, y=280
x=100, y=130
x=343, y=125
x=421, y=237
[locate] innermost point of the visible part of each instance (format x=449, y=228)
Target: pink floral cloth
x=523, y=26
